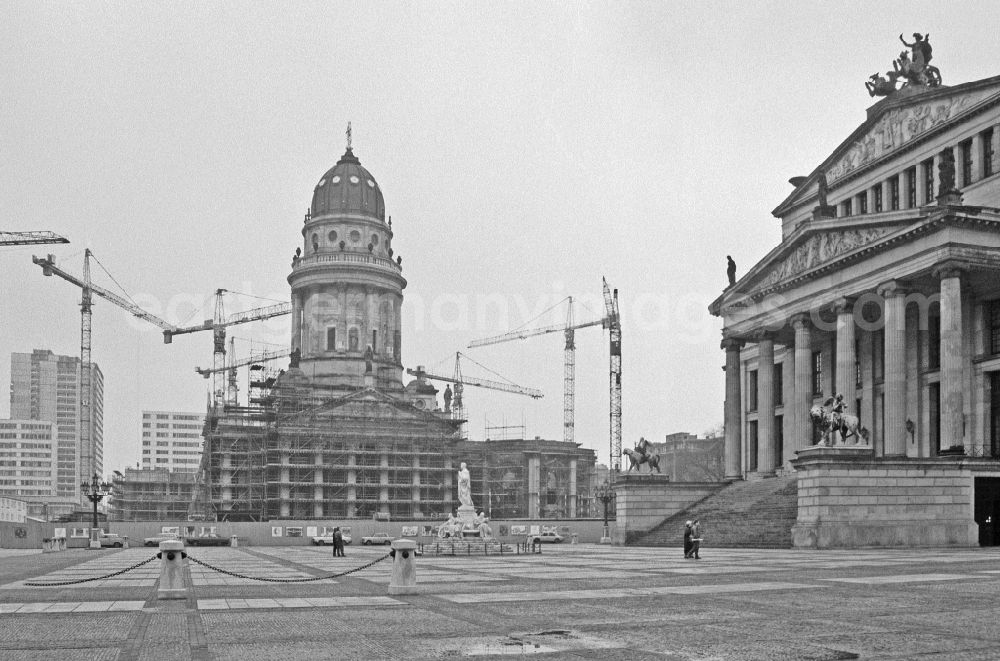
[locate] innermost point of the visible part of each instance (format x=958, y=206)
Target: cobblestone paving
x=571, y=602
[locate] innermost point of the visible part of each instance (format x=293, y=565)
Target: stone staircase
x=754, y=514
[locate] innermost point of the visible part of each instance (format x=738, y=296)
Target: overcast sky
x=525, y=150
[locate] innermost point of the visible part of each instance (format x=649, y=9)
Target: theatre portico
x=884, y=292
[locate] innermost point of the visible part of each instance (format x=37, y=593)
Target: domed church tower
x=347, y=289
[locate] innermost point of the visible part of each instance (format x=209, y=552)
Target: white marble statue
x=464, y=486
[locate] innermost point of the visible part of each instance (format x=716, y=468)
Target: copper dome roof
x=348, y=187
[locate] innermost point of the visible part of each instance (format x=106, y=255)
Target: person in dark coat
x=338, y=543
x=687, y=539
x=695, y=540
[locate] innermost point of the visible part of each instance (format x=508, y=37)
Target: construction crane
x=49, y=268
x=218, y=325
x=31, y=238
x=235, y=364
x=569, y=360
x=460, y=381
x=614, y=326
x=609, y=321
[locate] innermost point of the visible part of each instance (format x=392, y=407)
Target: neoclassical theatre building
x=885, y=290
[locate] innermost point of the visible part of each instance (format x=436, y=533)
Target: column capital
x=843, y=304
x=759, y=336
x=731, y=344
x=951, y=268
x=891, y=288
x=801, y=321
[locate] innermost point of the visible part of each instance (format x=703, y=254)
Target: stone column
x=296, y=322
x=845, y=378
x=977, y=158
x=572, y=488
x=921, y=189
x=383, y=482
x=996, y=149
x=894, y=411
x=534, y=480
x=803, y=387
x=352, y=483
x=765, y=404
x=904, y=189
x=415, y=481
x=286, y=488
x=952, y=402
x=886, y=195
x=733, y=410
x=318, y=485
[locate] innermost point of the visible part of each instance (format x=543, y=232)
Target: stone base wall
x=849, y=498
x=643, y=501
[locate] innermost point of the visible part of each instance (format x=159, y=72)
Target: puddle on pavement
x=518, y=644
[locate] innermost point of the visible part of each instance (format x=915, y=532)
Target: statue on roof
x=913, y=69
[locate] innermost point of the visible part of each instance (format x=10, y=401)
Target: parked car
x=112, y=540
x=323, y=540
x=207, y=540
x=376, y=538
x=162, y=537
x=550, y=536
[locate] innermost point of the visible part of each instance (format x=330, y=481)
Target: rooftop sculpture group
x=914, y=69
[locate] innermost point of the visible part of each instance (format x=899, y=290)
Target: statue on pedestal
x=464, y=486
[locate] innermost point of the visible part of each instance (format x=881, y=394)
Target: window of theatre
x=911, y=187
x=993, y=326
x=965, y=151
x=894, y=193
x=817, y=372
x=862, y=203
x=752, y=390
x=331, y=338
x=877, y=198
x=847, y=207
x=928, y=180
x=987, y=142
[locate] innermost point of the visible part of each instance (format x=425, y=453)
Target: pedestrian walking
x=338, y=543
x=695, y=539
x=687, y=539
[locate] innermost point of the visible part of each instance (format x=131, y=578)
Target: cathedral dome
x=348, y=187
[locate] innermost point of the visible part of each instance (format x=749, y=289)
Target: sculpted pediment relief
x=901, y=125
x=820, y=248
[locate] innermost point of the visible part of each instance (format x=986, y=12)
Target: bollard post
x=404, y=567
x=234, y=541
x=172, y=557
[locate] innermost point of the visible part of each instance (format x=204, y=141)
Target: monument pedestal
x=849, y=498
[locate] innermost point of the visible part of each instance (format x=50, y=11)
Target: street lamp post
x=95, y=491
x=605, y=493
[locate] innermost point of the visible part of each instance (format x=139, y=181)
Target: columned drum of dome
x=347, y=287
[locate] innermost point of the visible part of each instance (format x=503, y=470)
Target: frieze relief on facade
x=820, y=248
x=898, y=127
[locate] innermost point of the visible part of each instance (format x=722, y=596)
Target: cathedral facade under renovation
x=338, y=435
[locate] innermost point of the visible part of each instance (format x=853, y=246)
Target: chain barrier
x=97, y=578
x=288, y=580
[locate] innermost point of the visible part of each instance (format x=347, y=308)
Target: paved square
x=570, y=602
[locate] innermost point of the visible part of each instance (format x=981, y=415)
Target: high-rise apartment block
x=171, y=440
x=46, y=387
x=27, y=459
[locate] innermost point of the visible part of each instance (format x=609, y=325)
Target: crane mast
x=84, y=467
x=615, y=373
